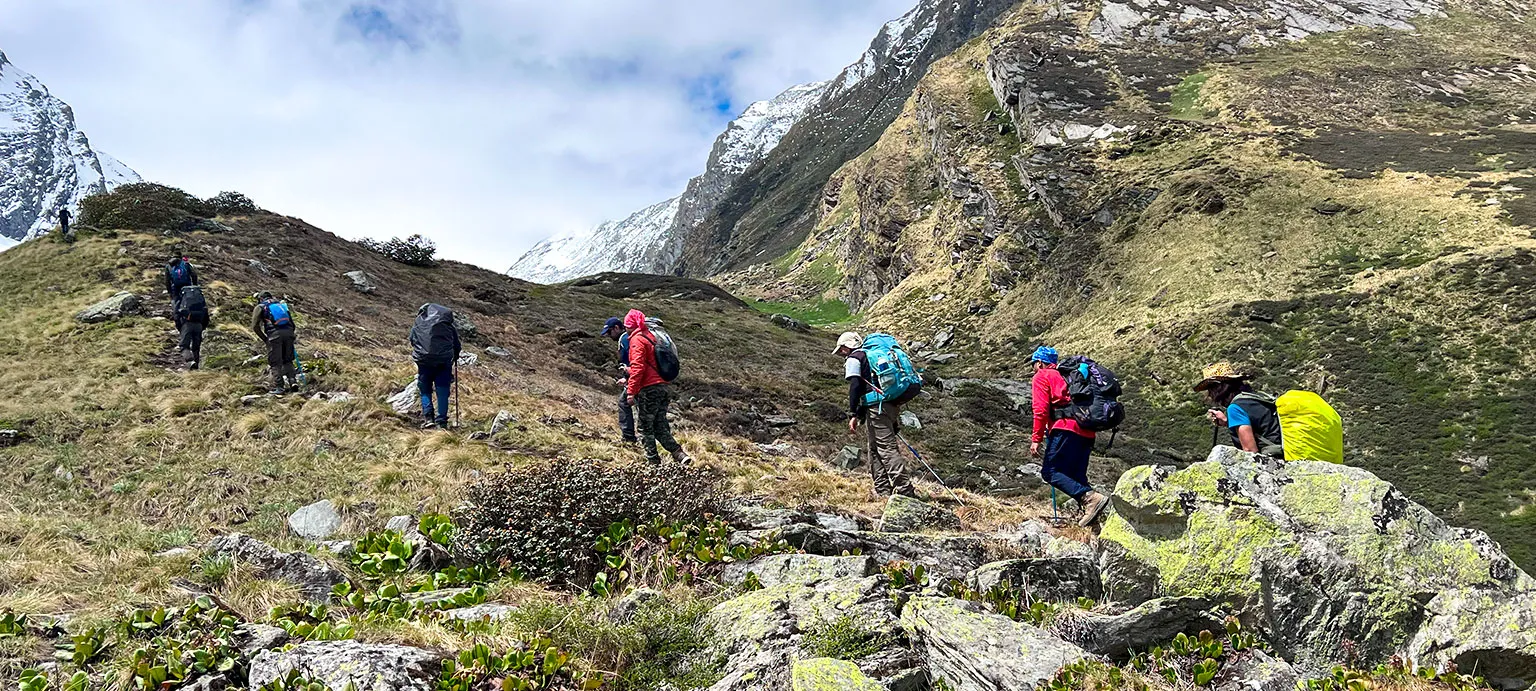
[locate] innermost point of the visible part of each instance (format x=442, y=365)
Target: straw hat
x=1219, y=372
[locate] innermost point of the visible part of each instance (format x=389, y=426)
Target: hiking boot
x=442, y=424
x=429, y=425
x=682, y=458
x=1093, y=507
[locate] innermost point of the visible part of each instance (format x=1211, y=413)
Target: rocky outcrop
x=975, y=651
x=313, y=577
x=349, y=664
x=780, y=569
x=1046, y=579
x=1325, y=557
x=115, y=307
x=907, y=515
x=827, y=674
x=1150, y=624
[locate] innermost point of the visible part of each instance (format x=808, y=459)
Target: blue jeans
x=439, y=377
x=1065, y=465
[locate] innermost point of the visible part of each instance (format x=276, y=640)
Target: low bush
x=150, y=206
x=416, y=250
x=232, y=204
x=545, y=518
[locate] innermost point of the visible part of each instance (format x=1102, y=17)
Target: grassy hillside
x=1351, y=212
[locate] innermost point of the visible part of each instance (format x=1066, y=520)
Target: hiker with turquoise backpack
x=881, y=379
x=1296, y=426
x=1072, y=400
x=272, y=322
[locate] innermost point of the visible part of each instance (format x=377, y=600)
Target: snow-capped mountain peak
x=46, y=162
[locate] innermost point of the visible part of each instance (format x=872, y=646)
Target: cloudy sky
x=487, y=125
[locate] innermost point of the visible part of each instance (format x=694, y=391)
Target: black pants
x=626, y=418
x=651, y=417
x=280, y=357
x=191, y=342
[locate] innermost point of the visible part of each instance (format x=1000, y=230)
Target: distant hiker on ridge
x=881, y=418
x=1064, y=460
x=435, y=347
x=192, y=315
x=178, y=274
x=652, y=363
x=64, y=223
x=614, y=329
x=272, y=322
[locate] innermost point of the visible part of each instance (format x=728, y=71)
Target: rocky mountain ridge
x=46, y=162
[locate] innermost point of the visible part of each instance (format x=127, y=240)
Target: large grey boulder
x=776, y=569
x=945, y=556
x=115, y=307
x=1150, y=624
x=1050, y=580
x=344, y=664
x=972, y=650
x=908, y=515
x=362, y=281
x=313, y=577
x=1256, y=670
x=407, y=401
x=316, y=521
x=1319, y=554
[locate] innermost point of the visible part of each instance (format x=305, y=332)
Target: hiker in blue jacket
x=614, y=329
x=178, y=274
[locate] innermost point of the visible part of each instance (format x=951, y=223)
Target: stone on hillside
x=9, y=438
x=252, y=399
x=1050, y=580
x=942, y=358
x=785, y=321
x=498, y=351
x=971, y=650
x=1494, y=637
x=486, y=612
x=907, y=515
x=115, y=307
x=408, y=401
x=317, y=521
x=468, y=359
x=832, y=521
x=1151, y=624
x=209, y=682
x=847, y=458
x=778, y=420
x=943, y=338
x=1256, y=670
x=624, y=610
x=313, y=577
x=503, y=418
x=828, y=674
x=251, y=639
x=429, y=598
x=362, y=281
x=946, y=556
x=1319, y=554
x=777, y=569
x=909, y=419
x=466, y=327
x=362, y=666
x=759, y=517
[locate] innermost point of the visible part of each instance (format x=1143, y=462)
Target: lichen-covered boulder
x=1318, y=553
x=313, y=577
x=1256, y=670
x=827, y=674
x=1153, y=623
x=908, y=515
x=971, y=650
x=1050, y=580
x=758, y=633
x=115, y=307
x=1482, y=632
x=946, y=556
x=776, y=569
x=349, y=664
x=362, y=281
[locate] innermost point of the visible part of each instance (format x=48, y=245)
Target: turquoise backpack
x=896, y=381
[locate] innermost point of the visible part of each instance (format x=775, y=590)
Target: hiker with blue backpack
x=881, y=379
x=272, y=322
x=178, y=275
x=1071, y=401
x=653, y=362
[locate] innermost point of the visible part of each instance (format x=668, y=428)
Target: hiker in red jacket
x=648, y=391
x=1064, y=461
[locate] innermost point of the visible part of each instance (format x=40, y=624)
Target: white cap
x=849, y=340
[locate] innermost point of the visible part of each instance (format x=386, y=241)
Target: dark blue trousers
x=440, y=378
x=1065, y=465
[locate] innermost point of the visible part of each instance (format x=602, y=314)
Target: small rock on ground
x=907, y=515
x=317, y=521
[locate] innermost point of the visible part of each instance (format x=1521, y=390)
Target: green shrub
x=665, y=553
x=232, y=204
x=844, y=638
x=142, y=205
x=415, y=250
x=545, y=518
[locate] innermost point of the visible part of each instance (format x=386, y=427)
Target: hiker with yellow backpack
x=1296, y=426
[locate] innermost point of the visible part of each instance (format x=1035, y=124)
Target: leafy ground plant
x=663, y=553
x=844, y=638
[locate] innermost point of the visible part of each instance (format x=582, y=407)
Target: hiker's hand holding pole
x=1217, y=416
x=1034, y=449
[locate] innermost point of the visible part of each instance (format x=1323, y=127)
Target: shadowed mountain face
x=46, y=163
x=1337, y=196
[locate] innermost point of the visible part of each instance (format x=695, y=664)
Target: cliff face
x=1335, y=195
x=46, y=162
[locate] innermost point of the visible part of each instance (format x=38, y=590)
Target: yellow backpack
x=1310, y=427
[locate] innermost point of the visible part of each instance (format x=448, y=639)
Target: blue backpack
x=279, y=314
x=181, y=274
x=895, y=379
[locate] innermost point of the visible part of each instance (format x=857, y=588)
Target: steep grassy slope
x=1349, y=211
x=123, y=454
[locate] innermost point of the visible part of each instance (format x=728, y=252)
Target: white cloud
x=485, y=124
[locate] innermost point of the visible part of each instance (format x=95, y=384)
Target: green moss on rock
x=827, y=674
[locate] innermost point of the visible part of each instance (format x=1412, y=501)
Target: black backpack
x=434, y=336
x=193, y=307
x=1094, y=391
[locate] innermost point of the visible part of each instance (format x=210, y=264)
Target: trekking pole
x=458, y=410
x=299, y=365
x=1055, y=519
x=936, y=477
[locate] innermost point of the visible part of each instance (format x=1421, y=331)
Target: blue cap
x=613, y=323
x=1045, y=354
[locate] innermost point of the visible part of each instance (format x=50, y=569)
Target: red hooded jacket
x=642, y=355
x=1049, y=389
